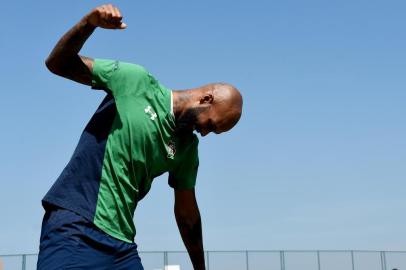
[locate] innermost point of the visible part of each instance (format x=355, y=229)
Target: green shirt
x=133, y=143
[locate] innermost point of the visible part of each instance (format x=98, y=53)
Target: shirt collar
x=172, y=103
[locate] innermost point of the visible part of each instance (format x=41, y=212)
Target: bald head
x=215, y=107
x=228, y=102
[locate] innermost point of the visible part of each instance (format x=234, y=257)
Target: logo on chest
x=152, y=115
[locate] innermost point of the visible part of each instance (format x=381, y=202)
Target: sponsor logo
x=152, y=114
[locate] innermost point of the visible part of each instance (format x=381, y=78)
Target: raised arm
x=65, y=60
x=190, y=226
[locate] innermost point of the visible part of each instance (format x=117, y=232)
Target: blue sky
x=316, y=162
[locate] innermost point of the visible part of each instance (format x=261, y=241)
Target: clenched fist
x=106, y=16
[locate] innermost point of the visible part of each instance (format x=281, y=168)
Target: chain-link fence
x=251, y=260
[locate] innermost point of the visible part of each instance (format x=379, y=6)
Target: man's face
x=204, y=118
x=187, y=121
x=208, y=120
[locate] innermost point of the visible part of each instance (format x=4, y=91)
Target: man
x=140, y=130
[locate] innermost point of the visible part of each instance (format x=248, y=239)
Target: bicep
x=81, y=70
x=78, y=69
x=88, y=62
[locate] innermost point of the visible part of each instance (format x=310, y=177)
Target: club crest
x=171, y=149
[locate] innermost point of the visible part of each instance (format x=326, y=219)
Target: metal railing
x=252, y=260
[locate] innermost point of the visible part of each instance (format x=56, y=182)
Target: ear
x=207, y=99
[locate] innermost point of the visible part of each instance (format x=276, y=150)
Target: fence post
x=246, y=259
x=165, y=258
x=282, y=258
x=352, y=260
x=208, y=260
x=318, y=260
x=383, y=260
x=24, y=262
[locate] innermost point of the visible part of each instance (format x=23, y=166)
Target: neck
x=180, y=101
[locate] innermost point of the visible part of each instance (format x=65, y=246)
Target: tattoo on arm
x=64, y=59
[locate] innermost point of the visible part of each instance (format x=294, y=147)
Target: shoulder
x=110, y=67
x=119, y=77
x=130, y=67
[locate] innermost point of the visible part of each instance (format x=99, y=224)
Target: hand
x=106, y=16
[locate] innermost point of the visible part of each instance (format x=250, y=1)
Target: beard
x=187, y=121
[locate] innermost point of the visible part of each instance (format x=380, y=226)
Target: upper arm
x=78, y=68
x=88, y=62
x=115, y=77
x=84, y=72
x=184, y=175
x=185, y=203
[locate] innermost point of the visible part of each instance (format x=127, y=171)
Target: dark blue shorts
x=69, y=241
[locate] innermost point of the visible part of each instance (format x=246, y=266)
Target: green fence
x=252, y=260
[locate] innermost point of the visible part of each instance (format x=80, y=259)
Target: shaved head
x=214, y=107
x=229, y=99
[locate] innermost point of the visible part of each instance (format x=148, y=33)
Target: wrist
x=200, y=267
x=86, y=22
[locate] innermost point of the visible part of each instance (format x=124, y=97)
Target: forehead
x=224, y=119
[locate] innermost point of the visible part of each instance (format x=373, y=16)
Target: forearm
x=65, y=60
x=191, y=232
x=66, y=51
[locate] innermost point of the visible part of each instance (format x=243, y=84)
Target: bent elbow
x=51, y=66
